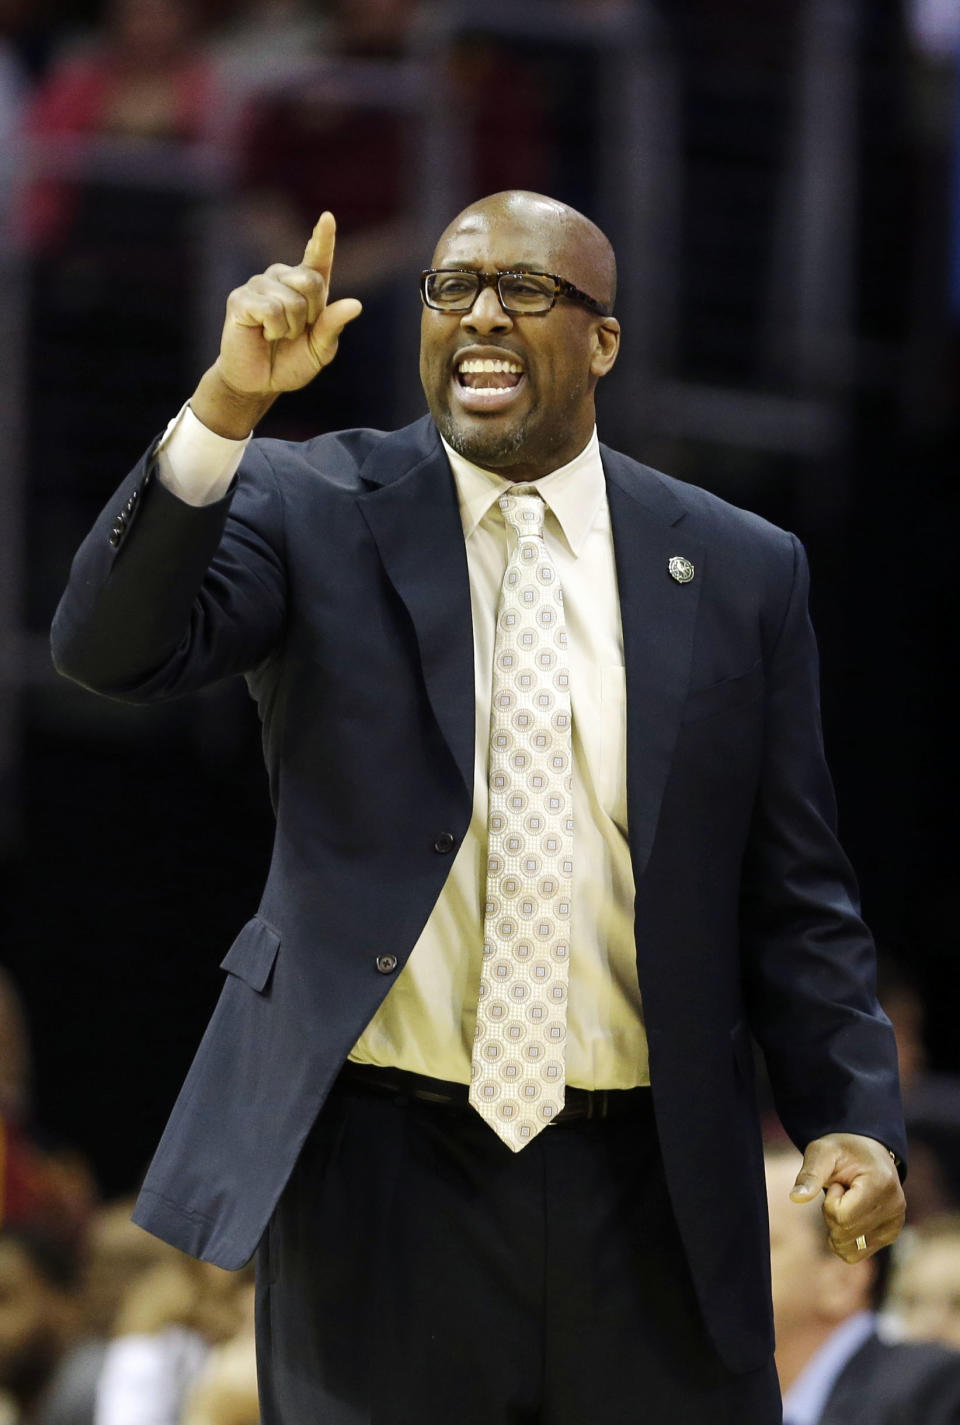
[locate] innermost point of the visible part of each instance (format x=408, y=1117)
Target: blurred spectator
x=15, y=1067
x=226, y=1392
x=167, y=1323
x=312, y=146
x=903, y=1005
x=931, y=1101
x=116, y=1254
x=327, y=140
x=268, y=38
x=924, y=1298
x=834, y=1367
x=144, y=78
x=50, y=1187
x=114, y=259
x=337, y=138
x=48, y=1365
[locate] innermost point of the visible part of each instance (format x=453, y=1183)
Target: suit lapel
x=414, y=518
x=659, y=618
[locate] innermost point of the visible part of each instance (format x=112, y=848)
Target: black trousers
x=417, y=1272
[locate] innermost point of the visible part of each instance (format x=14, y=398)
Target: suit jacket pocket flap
x=252, y=954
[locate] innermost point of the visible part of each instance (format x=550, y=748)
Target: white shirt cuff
x=195, y=463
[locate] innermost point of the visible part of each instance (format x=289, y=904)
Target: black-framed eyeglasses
x=455, y=289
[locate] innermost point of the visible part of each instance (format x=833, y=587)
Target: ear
x=606, y=345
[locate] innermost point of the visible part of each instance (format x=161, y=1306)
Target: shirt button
x=386, y=964
x=444, y=843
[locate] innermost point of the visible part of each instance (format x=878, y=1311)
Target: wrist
x=226, y=411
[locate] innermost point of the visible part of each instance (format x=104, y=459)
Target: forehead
x=503, y=240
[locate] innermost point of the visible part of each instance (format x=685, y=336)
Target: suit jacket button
x=386, y=964
x=444, y=843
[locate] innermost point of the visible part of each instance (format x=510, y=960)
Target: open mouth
x=487, y=383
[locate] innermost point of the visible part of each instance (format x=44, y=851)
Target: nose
x=486, y=314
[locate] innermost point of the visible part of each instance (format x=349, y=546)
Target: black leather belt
x=579, y=1104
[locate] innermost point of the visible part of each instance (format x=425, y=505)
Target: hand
x=278, y=333
x=862, y=1192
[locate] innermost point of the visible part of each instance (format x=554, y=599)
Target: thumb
x=338, y=313
x=815, y=1172
x=325, y=334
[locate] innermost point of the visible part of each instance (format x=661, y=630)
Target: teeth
x=471, y=367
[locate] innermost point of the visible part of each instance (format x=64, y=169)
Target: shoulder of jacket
x=711, y=516
x=333, y=459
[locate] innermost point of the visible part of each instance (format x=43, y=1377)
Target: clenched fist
x=278, y=333
x=863, y=1204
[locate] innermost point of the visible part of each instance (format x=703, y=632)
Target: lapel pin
x=680, y=569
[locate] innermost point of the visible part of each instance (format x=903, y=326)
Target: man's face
x=537, y=412
x=29, y=1338
x=925, y=1294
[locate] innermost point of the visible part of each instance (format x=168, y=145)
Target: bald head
x=579, y=250
x=528, y=407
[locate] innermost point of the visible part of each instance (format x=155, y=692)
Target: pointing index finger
x=318, y=252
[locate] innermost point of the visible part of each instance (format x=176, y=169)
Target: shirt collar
x=804, y=1402
x=574, y=492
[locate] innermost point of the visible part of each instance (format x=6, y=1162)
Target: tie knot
x=524, y=509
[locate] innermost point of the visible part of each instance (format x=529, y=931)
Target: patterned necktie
x=518, y=1056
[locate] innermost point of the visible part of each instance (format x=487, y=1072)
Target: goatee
x=490, y=450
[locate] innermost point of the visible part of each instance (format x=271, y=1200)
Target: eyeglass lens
x=518, y=291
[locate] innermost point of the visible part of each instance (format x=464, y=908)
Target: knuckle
x=311, y=280
x=294, y=298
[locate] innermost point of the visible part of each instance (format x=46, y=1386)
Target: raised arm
x=279, y=332
x=168, y=592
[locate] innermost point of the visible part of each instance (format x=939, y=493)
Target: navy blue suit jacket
x=334, y=577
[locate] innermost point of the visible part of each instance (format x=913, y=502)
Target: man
x=630, y=774
x=834, y=1368
x=48, y=1366
x=925, y=1288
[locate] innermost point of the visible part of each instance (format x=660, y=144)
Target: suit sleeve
x=809, y=961
x=165, y=598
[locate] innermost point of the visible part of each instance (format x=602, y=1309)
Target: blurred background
x=782, y=185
